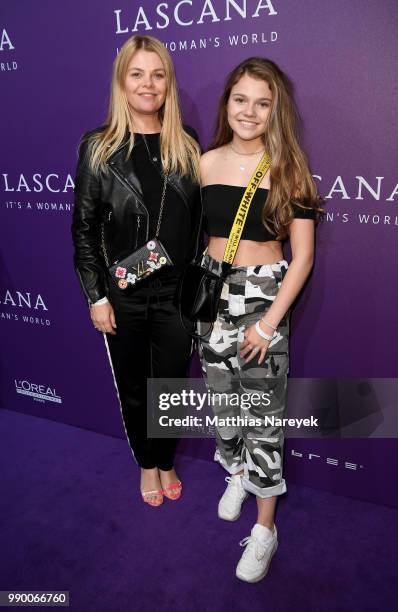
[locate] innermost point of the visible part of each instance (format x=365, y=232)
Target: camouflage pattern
x=257, y=449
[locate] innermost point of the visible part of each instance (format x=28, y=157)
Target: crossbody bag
x=143, y=262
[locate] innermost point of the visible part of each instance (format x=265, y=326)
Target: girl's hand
x=253, y=345
x=103, y=318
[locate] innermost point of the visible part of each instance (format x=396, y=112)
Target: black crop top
x=220, y=203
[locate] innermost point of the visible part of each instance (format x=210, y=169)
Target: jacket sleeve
x=86, y=229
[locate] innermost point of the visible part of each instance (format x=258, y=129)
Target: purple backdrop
x=55, y=62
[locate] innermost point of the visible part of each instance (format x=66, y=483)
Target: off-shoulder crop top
x=220, y=203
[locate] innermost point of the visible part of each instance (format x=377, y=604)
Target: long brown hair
x=290, y=177
x=179, y=152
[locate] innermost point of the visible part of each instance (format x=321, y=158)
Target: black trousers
x=149, y=342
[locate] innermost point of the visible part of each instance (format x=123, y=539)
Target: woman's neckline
x=236, y=186
x=146, y=134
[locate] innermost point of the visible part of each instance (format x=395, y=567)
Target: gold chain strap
x=162, y=205
x=162, y=201
x=163, y=192
x=103, y=245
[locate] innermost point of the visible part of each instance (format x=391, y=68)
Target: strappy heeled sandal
x=173, y=490
x=146, y=495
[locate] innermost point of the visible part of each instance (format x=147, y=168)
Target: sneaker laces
x=260, y=547
x=234, y=482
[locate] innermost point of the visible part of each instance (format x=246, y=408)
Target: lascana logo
x=38, y=182
x=42, y=190
x=19, y=299
x=366, y=190
x=373, y=187
x=5, y=41
x=41, y=393
x=17, y=303
x=189, y=12
x=7, y=62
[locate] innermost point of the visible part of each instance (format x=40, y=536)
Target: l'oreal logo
x=38, y=392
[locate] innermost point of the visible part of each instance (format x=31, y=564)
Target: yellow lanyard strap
x=241, y=215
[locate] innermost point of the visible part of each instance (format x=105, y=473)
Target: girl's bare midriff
x=249, y=253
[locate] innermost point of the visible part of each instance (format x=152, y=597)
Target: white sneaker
x=261, y=546
x=230, y=504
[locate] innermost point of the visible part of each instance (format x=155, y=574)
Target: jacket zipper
x=138, y=227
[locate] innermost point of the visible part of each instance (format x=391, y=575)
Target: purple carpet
x=71, y=519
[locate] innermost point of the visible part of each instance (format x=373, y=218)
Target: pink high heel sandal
x=173, y=490
x=147, y=494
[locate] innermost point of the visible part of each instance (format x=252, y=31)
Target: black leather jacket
x=113, y=202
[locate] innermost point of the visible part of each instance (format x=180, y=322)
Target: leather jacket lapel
x=125, y=169
x=175, y=181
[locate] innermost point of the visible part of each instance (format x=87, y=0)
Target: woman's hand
x=253, y=345
x=103, y=318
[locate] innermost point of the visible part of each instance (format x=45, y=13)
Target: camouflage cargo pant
x=256, y=449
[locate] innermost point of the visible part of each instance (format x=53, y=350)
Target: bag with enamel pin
x=144, y=262
x=139, y=265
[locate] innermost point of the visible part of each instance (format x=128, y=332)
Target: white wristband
x=103, y=300
x=261, y=333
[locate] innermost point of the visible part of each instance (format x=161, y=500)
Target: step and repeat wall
x=55, y=66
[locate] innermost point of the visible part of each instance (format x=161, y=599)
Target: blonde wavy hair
x=290, y=177
x=179, y=152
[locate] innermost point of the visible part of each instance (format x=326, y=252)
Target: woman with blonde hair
x=135, y=226
x=256, y=146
